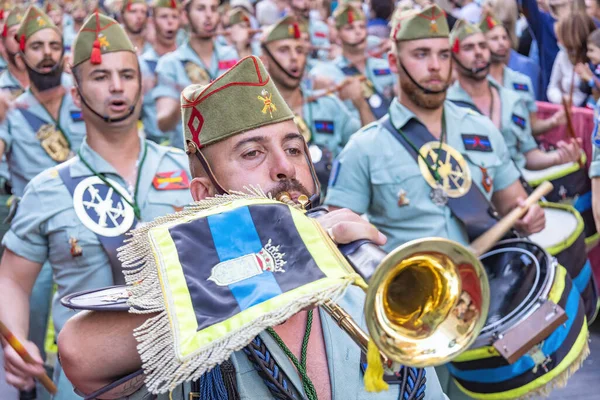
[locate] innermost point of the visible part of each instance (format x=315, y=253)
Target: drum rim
x=555, y=248
x=486, y=338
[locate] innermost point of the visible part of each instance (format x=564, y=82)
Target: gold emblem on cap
x=455, y=176
x=268, y=105
x=434, y=27
x=41, y=21
x=54, y=143
x=103, y=41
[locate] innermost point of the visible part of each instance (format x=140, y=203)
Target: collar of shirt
x=8, y=80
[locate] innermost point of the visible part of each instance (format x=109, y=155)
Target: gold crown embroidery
x=268, y=104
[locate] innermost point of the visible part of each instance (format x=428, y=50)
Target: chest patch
x=226, y=64
x=521, y=87
x=76, y=115
x=477, y=143
x=172, y=180
x=519, y=121
x=322, y=126
x=381, y=71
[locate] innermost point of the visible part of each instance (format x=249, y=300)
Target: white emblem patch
x=101, y=209
x=268, y=259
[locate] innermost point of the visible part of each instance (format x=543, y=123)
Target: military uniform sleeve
x=26, y=236
x=166, y=85
x=526, y=140
x=530, y=98
x=350, y=124
x=507, y=172
x=5, y=135
x=350, y=184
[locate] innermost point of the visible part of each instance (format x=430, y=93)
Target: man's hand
x=532, y=222
x=558, y=118
x=346, y=226
x=19, y=373
x=351, y=90
x=239, y=35
x=567, y=152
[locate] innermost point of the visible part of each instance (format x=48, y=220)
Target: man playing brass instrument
x=255, y=143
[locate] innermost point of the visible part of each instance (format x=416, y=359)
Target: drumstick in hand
x=333, y=90
x=20, y=349
x=486, y=241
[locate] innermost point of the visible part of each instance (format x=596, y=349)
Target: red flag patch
x=172, y=180
x=226, y=64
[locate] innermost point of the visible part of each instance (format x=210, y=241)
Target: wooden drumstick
x=20, y=349
x=336, y=89
x=486, y=241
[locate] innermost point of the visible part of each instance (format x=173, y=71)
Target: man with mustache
x=134, y=15
x=249, y=147
x=166, y=19
x=325, y=122
x=74, y=216
x=428, y=165
x=200, y=60
x=79, y=11
x=499, y=48
x=377, y=89
x=503, y=107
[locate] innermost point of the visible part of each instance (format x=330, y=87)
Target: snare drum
x=564, y=239
x=522, y=278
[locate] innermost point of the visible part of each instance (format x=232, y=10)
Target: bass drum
x=522, y=277
x=564, y=238
x=571, y=186
x=322, y=159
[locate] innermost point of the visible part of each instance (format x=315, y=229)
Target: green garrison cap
x=99, y=35
x=347, y=14
x=34, y=21
x=237, y=16
x=286, y=28
x=243, y=98
x=50, y=6
x=488, y=23
x=462, y=30
x=15, y=17
x=128, y=3
x=424, y=24
x=165, y=4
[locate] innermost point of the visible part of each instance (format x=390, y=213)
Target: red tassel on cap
x=350, y=16
x=96, y=56
x=1, y=14
x=490, y=22
x=22, y=43
x=456, y=46
x=173, y=4
x=296, y=30
x=128, y=5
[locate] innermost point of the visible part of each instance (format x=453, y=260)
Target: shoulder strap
x=33, y=120
x=152, y=65
x=109, y=244
x=473, y=209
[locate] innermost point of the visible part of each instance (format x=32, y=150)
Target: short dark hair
x=594, y=37
x=383, y=8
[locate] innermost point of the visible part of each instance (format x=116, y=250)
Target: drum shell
x=483, y=374
x=571, y=254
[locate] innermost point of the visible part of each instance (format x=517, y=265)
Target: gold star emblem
x=268, y=105
x=434, y=27
x=103, y=41
x=41, y=21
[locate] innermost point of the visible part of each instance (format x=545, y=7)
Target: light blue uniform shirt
x=318, y=32
x=25, y=155
x=516, y=126
x=521, y=84
x=10, y=83
x=595, y=163
x=173, y=78
x=377, y=70
x=374, y=167
x=69, y=35
x=343, y=359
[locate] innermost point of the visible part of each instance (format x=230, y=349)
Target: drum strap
x=473, y=209
x=382, y=106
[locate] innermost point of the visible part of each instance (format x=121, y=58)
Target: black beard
x=497, y=58
x=43, y=82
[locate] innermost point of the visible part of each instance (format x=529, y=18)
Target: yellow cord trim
x=374, y=374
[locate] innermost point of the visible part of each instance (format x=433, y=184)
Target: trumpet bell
x=427, y=302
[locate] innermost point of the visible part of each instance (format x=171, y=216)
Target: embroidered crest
x=104, y=43
x=40, y=21
x=434, y=27
x=521, y=87
x=402, y=199
x=454, y=173
x=324, y=126
x=268, y=104
x=196, y=73
x=381, y=71
x=268, y=259
x=76, y=115
x=54, y=143
x=76, y=250
x=172, y=180
x=101, y=209
x=477, y=143
x=519, y=121
x=486, y=180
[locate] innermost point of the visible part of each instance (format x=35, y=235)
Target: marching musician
x=134, y=14
x=502, y=106
x=74, y=216
x=199, y=60
x=354, y=61
x=498, y=41
x=167, y=21
x=238, y=23
x=239, y=131
x=78, y=12
x=318, y=31
x=15, y=78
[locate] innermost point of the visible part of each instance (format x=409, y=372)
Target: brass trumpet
x=428, y=299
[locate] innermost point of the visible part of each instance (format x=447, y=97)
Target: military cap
x=243, y=98
x=99, y=35
x=15, y=17
x=237, y=16
x=346, y=14
x=50, y=6
x=420, y=24
x=488, y=23
x=165, y=4
x=34, y=21
x=462, y=30
x=286, y=28
x=128, y=3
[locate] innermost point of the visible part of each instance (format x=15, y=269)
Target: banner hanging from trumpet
x=219, y=273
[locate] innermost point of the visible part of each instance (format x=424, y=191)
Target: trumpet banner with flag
x=219, y=273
